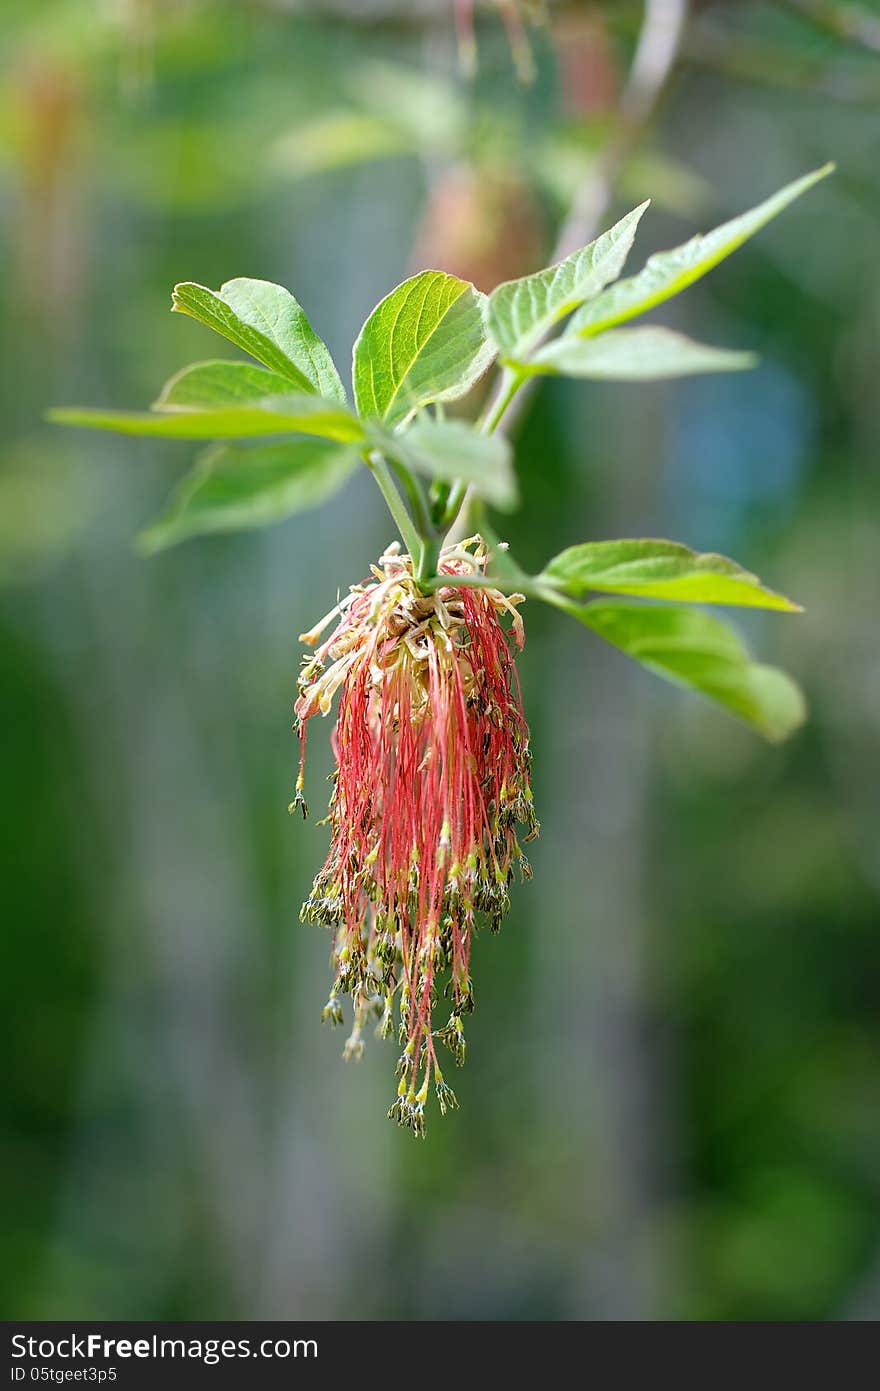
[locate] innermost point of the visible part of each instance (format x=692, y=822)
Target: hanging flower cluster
x=431, y=794
x=430, y=787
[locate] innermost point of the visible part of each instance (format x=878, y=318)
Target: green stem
x=415, y=497
x=523, y=585
x=429, y=559
x=462, y=498
x=382, y=474
x=417, y=532
x=453, y=504
x=508, y=385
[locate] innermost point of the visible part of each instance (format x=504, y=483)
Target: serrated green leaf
x=667, y=273
x=273, y=415
x=452, y=449
x=658, y=570
x=267, y=322
x=235, y=487
x=521, y=312
x=635, y=355
x=697, y=650
x=424, y=342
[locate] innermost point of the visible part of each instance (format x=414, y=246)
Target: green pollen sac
x=404, y=1063
x=452, y=1034
x=446, y=1098
x=385, y=1027
x=332, y=1012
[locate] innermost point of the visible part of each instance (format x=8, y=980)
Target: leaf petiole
x=415, y=497
x=509, y=383
x=462, y=498
x=382, y=474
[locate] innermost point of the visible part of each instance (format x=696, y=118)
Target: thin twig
x=657, y=48
x=659, y=44
x=772, y=66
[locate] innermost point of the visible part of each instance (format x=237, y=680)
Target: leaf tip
x=781, y=733
x=781, y=602
x=148, y=542
x=808, y=181
x=745, y=361
x=177, y=293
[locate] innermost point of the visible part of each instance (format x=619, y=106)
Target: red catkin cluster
x=430, y=788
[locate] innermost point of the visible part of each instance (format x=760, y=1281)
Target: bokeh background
x=670, y=1108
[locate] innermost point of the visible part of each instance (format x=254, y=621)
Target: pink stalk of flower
x=431, y=784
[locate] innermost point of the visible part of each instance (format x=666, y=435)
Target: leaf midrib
x=220, y=325
x=395, y=395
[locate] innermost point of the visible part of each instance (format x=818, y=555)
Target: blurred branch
x=397, y=11
x=848, y=22
x=762, y=65
x=658, y=45
x=657, y=48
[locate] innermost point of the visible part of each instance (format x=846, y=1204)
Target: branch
x=848, y=22
x=659, y=44
x=657, y=48
x=759, y=64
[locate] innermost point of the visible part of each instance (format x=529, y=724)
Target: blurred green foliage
x=670, y=1106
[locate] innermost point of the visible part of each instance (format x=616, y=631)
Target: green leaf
x=522, y=311
x=273, y=415
x=452, y=449
x=235, y=487
x=206, y=385
x=659, y=570
x=635, y=355
x=424, y=342
x=336, y=140
x=697, y=650
x=267, y=322
x=669, y=272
